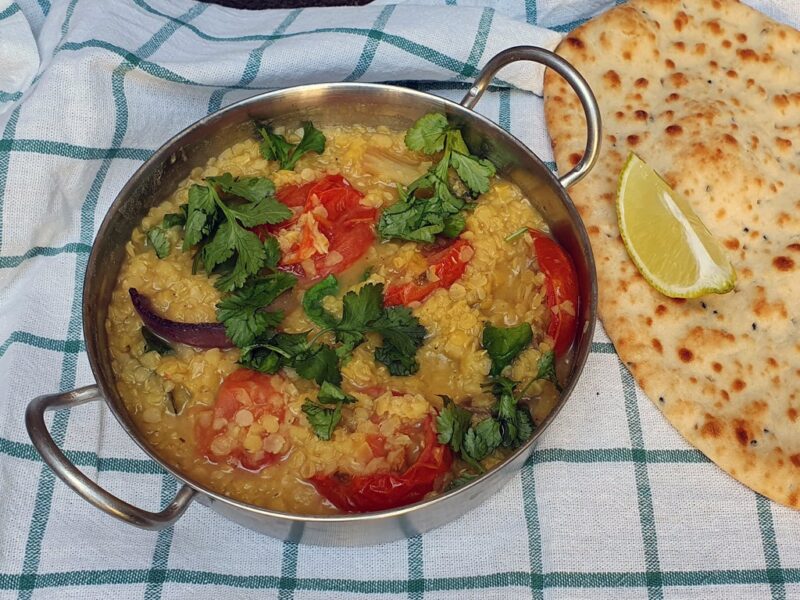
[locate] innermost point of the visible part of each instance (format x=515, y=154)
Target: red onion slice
x=199, y=335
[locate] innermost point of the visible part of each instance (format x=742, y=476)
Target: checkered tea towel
x=612, y=504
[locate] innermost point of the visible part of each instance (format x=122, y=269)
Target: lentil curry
x=341, y=320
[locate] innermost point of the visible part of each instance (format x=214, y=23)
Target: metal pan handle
x=573, y=78
x=85, y=487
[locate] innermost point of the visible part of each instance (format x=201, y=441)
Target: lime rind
x=710, y=272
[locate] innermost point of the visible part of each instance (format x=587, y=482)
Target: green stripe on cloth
x=543, y=456
x=68, y=346
x=253, y=63
x=45, y=6
x=10, y=262
x=479, y=45
x=771, y=553
x=288, y=580
x=567, y=27
x=504, y=112
x=530, y=11
x=8, y=132
x=559, y=579
x=416, y=572
x=644, y=496
x=603, y=348
x=419, y=50
x=157, y=574
x=371, y=45
x=72, y=150
x=12, y=9
x=44, y=493
x=10, y=96
x=83, y=458
x=534, y=534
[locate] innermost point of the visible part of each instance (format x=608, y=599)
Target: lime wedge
x=666, y=240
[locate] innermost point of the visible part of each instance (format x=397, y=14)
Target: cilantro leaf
x=474, y=172
x=250, y=254
x=452, y=424
x=428, y=206
x=265, y=210
x=322, y=420
x=359, y=309
x=272, y=351
x=524, y=424
x=313, y=141
x=331, y=394
x=153, y=343
x=397, y=363
x=264, y=358
x=480, y=441
x=503, y=344
x=157, y=238
x=220, y=228
x=272, y=253
x=312, y=302
x=201, y=206
x=175, y=219
x=454, y=225
x=253, y=189
x=402, y=335
x=363, y=312
x=275, y=147
x=428, y=134
x=421, y=219
x=547, y=367
x=411, y=220
x=242, y=313
x=319, y=363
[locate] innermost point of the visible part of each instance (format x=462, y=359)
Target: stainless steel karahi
x=332, y=103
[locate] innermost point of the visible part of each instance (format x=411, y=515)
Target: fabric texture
x=612, y=503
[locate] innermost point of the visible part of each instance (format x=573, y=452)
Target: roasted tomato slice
x=242, y=428
x=335, y=228
x=562, y=287
x=382, y=491
x=448, y=264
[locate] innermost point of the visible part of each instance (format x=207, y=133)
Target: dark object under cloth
x=262, y=4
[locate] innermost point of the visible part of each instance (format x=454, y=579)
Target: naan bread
x=708, y=93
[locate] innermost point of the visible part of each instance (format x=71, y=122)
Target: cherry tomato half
x=241, y=430
x=562, y=286
x=382, y=491
x=448, y=264
x=331, y=207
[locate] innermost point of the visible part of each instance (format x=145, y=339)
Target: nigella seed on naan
x=720, y=85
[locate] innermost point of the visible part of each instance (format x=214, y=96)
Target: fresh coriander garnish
x=157, y=236
x=363, y=312
x=504, y=344
x=275, y=147
x=510, y=424
x=153, y=343
x=323, y=419
x=220, y=227
x=242, y=312
x=273, y=350
x=429, y=206
x=452, y=423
